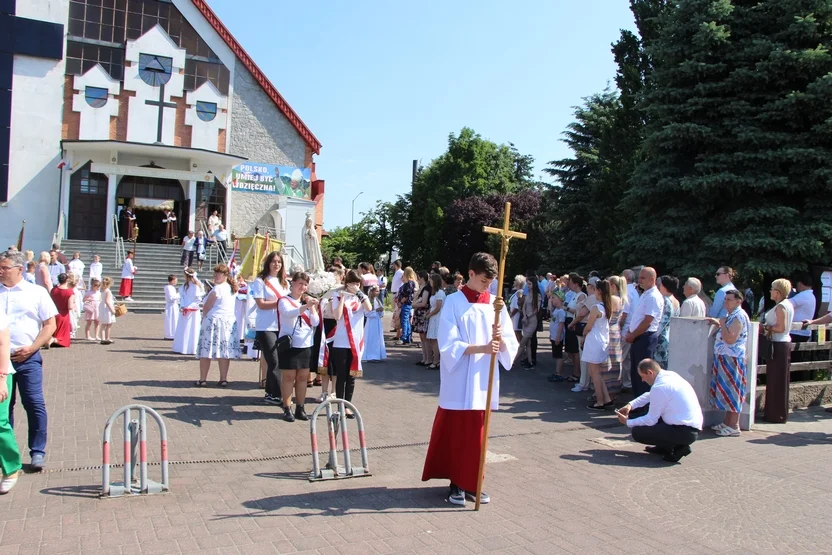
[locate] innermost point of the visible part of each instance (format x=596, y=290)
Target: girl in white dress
x=106, y=310
x=218, y=338
x=374, y=350
x=171, y=307
x=596, y=345
x=190, y=318
x=92, y=300
x=77, y=286
x=436, y=301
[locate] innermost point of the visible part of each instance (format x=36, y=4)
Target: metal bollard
x=334, y=421
x=135, y=452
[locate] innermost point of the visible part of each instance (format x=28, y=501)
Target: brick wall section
x=121, y=122
x=71, y=127
x=221, y=136
x=181, y=132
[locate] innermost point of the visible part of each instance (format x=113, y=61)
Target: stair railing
x=119, y=242
x=215, y=252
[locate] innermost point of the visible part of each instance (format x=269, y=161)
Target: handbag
x=284, y=343
x=121, y=309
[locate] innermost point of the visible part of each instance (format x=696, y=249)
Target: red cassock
x=126, y=288
x=455, y=447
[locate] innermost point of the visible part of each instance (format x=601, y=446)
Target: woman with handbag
x=199, y=249
x=349, y=307
x=299, y=318
x=218, y=338
x=269, y=287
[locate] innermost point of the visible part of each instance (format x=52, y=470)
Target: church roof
x=258, y=74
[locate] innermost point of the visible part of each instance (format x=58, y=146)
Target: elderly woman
x=693, y=306
x=667, y=287
x=729, y=383
x=778, y=324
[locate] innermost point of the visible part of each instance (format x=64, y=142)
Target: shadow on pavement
x=617, y=457
x=89, y=492
x=351, y=501
x=795, y=439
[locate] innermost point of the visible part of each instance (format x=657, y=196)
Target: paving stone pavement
x=569, y=481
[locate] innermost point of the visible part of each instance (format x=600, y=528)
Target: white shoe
x=718, y=427
x=577, y=389
x=9, y=482
x=128, y=299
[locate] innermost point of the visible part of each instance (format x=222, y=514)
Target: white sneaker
x=718, y=427
x=9, y=482
x=128, y=299
x=577, y=389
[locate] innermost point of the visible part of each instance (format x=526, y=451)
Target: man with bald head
x=643, y=326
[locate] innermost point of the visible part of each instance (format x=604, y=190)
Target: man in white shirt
x=55, y=267
x=693, y=306
x=32, y=313
x=674, y=420
x=188, y=250
x=395, y=285
x=804, y=303
x=632, y=299
x=643, y=326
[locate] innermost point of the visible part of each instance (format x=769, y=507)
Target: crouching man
x=674, y=419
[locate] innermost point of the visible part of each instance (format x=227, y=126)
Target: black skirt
x=295, y=358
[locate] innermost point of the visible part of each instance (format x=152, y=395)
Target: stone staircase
x=154, y=264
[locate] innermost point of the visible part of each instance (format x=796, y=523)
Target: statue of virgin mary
x=311, y=248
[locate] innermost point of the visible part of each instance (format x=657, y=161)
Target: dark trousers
x=187, y=258
x=665, y=436
x=778, y=368
x=28, y=382
x=268, y=348
x=533, y=347
x=643, y=347
x=342, y=360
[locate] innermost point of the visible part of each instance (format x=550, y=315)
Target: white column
x=227, y=214
x=112, y=181
x=64, y=203
x=192, y=206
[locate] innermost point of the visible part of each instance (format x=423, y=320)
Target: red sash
x=304, y=316
x=276, y=294
x=355, y=367
x=187, y=311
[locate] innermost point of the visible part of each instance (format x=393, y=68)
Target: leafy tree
x=736, y=162
x=471, y=167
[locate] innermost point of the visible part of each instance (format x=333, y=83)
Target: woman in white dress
x=213, y=222
x=374, y=350
x=187, y=329
x=106, y=310
x=218, y=339
x=171, y=307
x=436, y=301
x=596, y=344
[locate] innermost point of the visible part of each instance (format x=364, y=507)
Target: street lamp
x=353, y=206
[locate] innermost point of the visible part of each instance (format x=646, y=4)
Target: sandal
x=201, y=383
x=433, y=367
x=317, y=381
x=572, y=379
x=727, y=431
x=222, y=383
x=262, y=384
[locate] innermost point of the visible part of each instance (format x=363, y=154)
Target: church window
x=206, y=111
x=155, y=70
x=96, y=96
x=89, y=184
x=98, y=27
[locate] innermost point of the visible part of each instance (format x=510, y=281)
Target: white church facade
x=151, y=105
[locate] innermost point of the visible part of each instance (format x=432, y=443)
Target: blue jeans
x=28, y=380
x=407, y=333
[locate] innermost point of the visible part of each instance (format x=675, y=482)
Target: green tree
x=736, y=158
x=471, y=167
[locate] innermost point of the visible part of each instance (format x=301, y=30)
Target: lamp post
x=353, y=206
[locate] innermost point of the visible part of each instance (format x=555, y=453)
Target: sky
x=383, y=83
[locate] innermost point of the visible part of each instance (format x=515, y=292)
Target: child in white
x=557, y=333
x=106, y=311
x=75, y=314
x=374, y=329
x=96, y=268
x=171, y=307
x=92, y=300
x=186, y=339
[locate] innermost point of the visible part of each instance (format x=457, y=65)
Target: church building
x=147, y=105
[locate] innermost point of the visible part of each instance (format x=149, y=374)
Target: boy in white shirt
x=557, y=333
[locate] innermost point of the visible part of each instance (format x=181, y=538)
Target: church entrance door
x=148, y=198
x=87, y=205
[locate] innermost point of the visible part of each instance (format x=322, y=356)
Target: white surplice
x=374, y=334
x=186, y=340
x=171, y=311
x=464, y=378
x=240, y=311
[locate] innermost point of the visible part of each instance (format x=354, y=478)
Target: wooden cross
x=505, y=236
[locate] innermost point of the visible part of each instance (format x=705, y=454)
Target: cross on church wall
x=162, y=105
x=23, y=37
